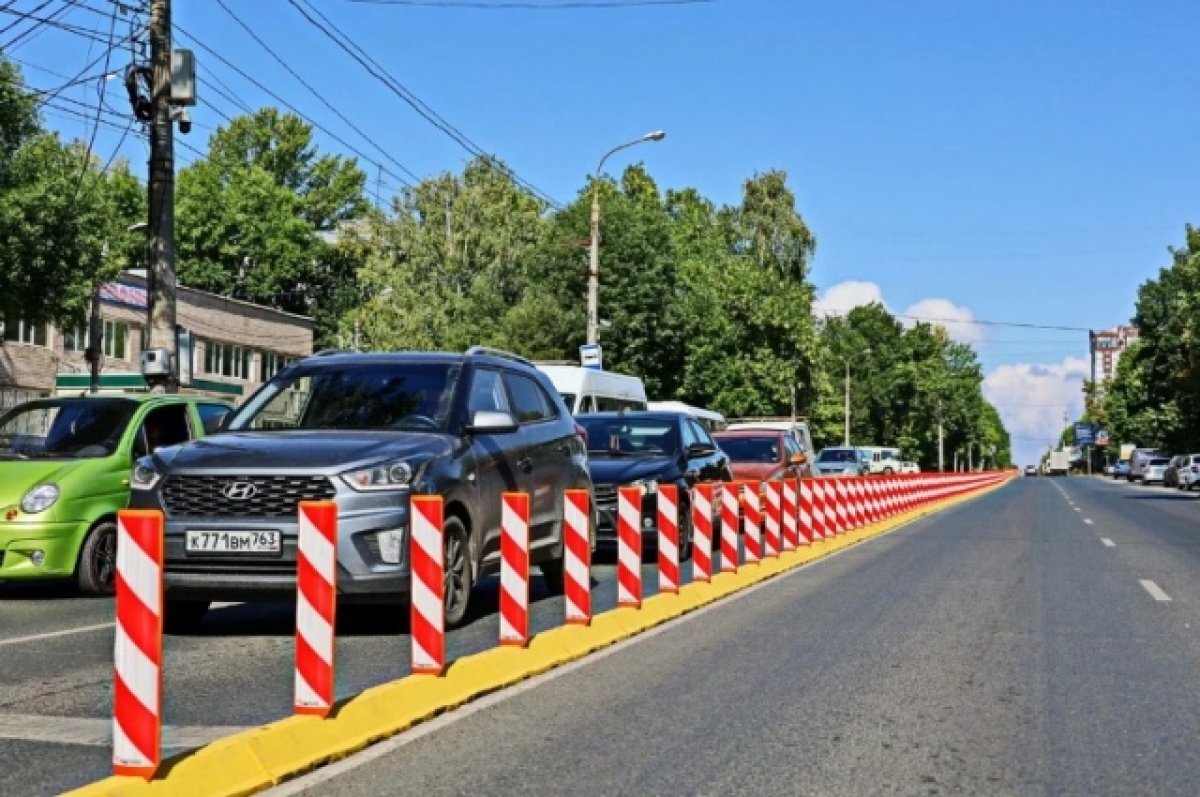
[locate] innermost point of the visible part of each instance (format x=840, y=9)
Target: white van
x=710, y=420
x=884, y=459
x=797, y=429
x=588, y=390
x=1139, y=460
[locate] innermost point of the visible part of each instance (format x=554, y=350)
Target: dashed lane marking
x=83, y=629
x=1155, y=591
x=1108, y=543
x=1087, y=520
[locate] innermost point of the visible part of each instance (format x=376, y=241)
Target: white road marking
x=1155, y=591
x=83, y=629
x=1108, y=543
x=389, y=746
x=1087, y=520
x=93, y=732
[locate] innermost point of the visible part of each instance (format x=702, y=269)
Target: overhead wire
x=91, y=143
x=346, y=43
x=508, y=5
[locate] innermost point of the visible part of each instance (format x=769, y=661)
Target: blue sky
x=1023, y=161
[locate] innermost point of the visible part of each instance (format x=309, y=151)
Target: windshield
x=751, y=449
x=631, y=436
x=1163, y=461
x=838, y=455
x=67, y=429
x=377, y=396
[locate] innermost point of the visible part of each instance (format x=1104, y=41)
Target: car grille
x=272, y=496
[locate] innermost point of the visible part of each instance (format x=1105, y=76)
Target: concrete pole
x=846, y=441
x=161, y=240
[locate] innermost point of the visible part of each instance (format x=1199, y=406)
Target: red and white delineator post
x=427, y=560
x=804, y=522
x=818, y=511
x=731, y=506
x=514, y=569
x=138, y=647
x=668, y=538
x=841, y=507
x=629, y=547
x=577, y=557
x=702, y=532
x=316, y=606
x=773, y=491
x=790, y=514
x=752, y=523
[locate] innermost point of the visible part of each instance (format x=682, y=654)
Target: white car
x=1189, y=472
x=909, y=467
x=1154, y=470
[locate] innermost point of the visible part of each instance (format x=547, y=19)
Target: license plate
x=232, y=542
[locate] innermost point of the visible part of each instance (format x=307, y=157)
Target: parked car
x=909, y=466
x=761, y=455
x=1108, y=470
x=1121, y=469
x=591, y=390
x=796, y=428
x=1154, y=470
x=648, y=449
x=883, y=459
x=1171, y=474
x=841, y=461
x=1189, y=473
x=1139, y=458
x=1031, y=470
x=366, y=430
x=64, y=473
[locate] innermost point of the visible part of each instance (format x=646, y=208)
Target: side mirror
x=492, y=422
x=798, y=459
x=697, y=450
x=213, y=423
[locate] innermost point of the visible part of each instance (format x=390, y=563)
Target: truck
x=1060, y=462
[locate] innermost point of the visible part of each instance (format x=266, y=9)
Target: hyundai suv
x=366, y=431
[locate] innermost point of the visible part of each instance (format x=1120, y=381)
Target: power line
x=337, y=112
x=475, y=5
x=259, y=85
x=376, y=70
x=87, y=154
x=50, y=21
x=981, y=322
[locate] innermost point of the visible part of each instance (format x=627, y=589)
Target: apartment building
x=227, y=347
x=1107, y=346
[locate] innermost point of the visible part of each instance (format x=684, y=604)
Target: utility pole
x=846, y=409
x=161, y=233
x=95, y=339
x=941, y=439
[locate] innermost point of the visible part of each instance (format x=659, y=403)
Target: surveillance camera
x=185, y=122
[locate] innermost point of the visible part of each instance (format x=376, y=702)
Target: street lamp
x=846, y=441
x=593, y=296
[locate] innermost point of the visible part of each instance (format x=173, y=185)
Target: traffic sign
x=590, y=356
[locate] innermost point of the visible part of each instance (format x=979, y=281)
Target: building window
x=18, y=331
x=225, y=359
x=75, y=339
x=271, y=364
x=116, y=340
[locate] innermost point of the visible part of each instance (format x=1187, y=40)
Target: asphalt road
x=1001, y=647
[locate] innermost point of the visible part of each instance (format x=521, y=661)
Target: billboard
x=1085, y=434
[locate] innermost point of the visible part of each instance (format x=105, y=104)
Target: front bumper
x=606, y=519
x=58, y=542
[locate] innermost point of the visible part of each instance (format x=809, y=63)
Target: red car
x=763, y=454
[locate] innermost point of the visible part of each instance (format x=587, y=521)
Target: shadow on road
x=42, y=591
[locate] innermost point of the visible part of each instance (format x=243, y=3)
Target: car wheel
x=182, y=616
x=457, y=571
x=96, y=571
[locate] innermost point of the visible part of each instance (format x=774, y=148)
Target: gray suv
x=366, y=431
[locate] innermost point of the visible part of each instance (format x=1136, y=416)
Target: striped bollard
x=790, y=514
x=629, y=547
x=316, y=607
x=427, y=558
x=818, y=513
x=773, y=491
x=804, y=523
x=702, y=532
x=752, y=520
x=668, y=538
x=841, y=508
x=514, y=569
x=875, y=507
x=138, y=647
x=577, y=555
x=730, y=514
x=853, y=507
x=860, y=500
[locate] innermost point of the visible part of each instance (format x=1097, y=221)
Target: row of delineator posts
x=771, y=517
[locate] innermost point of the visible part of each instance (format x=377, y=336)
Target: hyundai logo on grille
x=239, y=491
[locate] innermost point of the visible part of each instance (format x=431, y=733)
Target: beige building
x=1107, y=346
x=227, y=347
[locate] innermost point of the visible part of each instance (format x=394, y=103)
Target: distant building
x=1107, y=346
x=227, y=347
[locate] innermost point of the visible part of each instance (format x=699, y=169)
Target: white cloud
x=843, y=297
x=1032, y=399
x=955, y=319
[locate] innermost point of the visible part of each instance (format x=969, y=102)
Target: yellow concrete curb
x=257, y=759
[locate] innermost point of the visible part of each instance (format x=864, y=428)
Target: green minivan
x=64, y=473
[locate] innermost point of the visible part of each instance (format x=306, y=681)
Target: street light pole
x=593, y=295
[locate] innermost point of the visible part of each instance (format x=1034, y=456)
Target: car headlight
x=397, y=475
x=39, y=499
x=649, y=486
x=144, y=476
